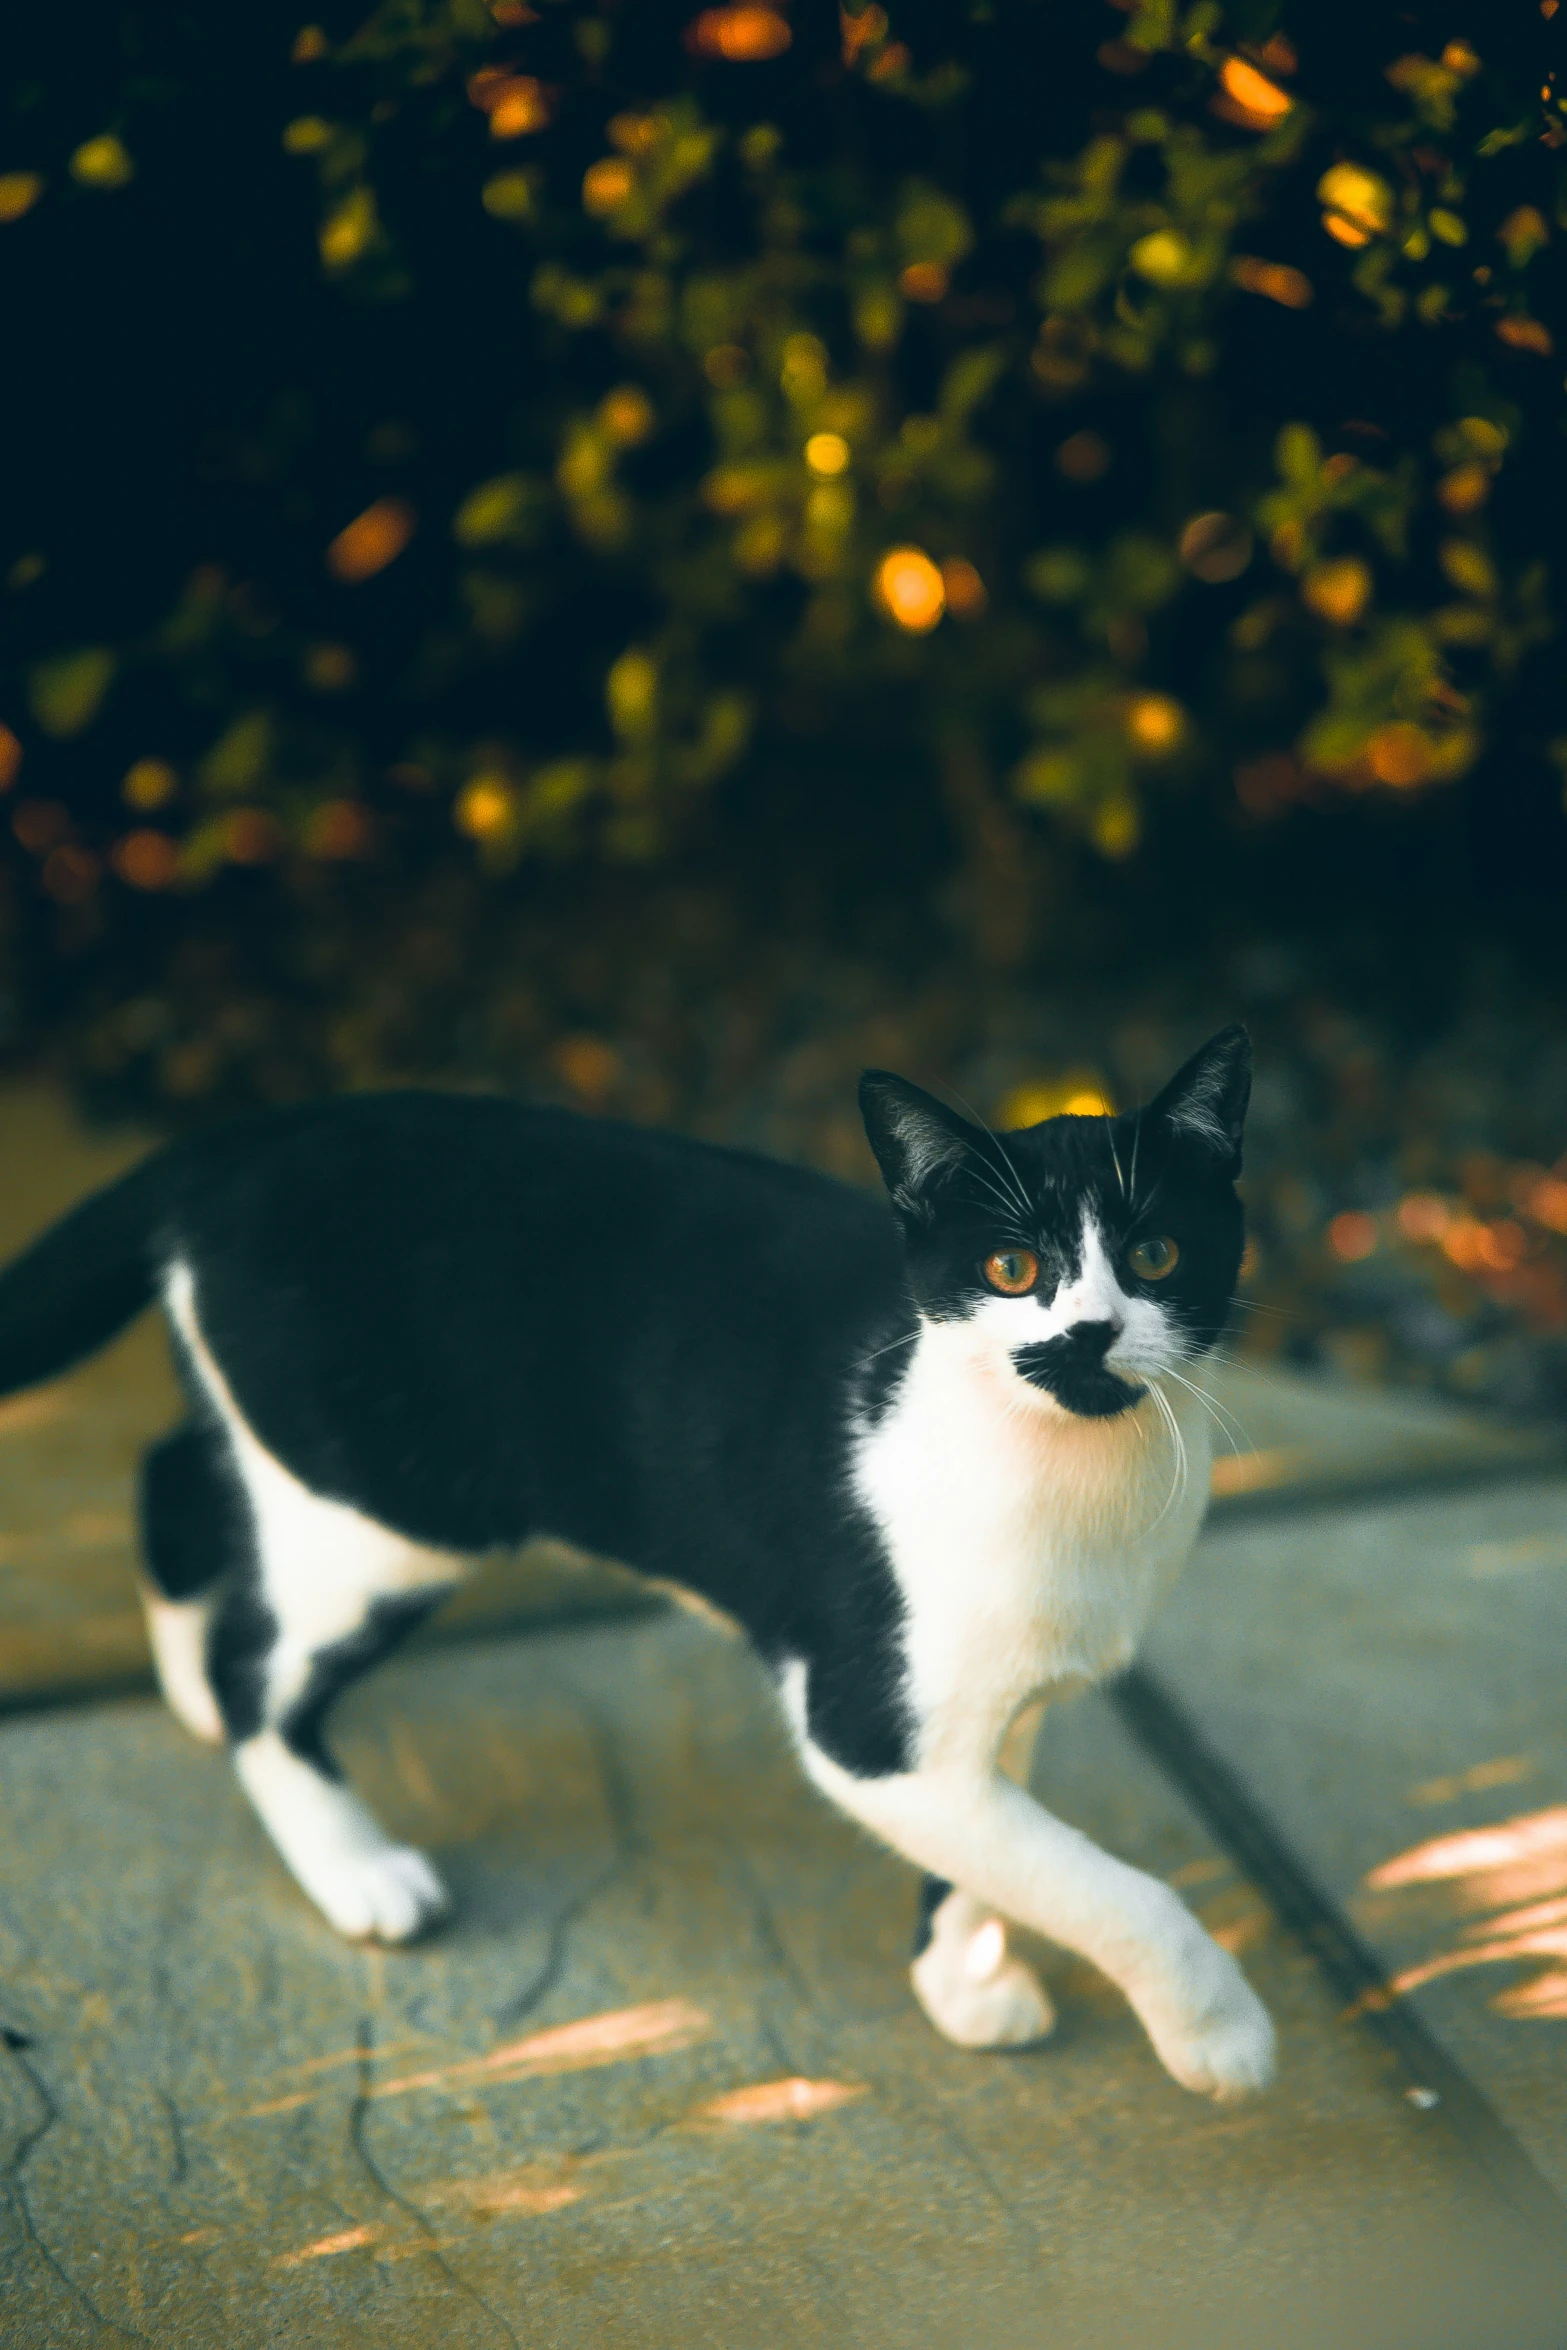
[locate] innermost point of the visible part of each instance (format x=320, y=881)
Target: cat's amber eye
x=1154, y=1260
x=1011, y=1272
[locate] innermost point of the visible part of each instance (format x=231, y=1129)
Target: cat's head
x=1092, y=1252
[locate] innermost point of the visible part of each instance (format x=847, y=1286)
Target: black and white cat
x=937, y=1462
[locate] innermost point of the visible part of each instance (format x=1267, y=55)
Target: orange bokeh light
x=924, y=281
x=1274, y=280
x=966, y=593
x=740, y=35
x=1255, y=102
x=145, y=859
x=1352, y=1236
x=371, y=541
x=911, y=589
x=606, y=185
x=1424, y=1216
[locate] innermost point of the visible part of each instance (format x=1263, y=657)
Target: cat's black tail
x=82, y=1280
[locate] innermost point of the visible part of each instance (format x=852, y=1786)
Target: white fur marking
x=322, y=1563
x=973, y=1992
x=353, y=1872
x=322, y=1567
x=177, y=1631
x=1207, y=2025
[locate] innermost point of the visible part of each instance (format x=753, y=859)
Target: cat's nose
x=1093, y=1340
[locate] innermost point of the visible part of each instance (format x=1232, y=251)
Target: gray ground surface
x=231, y=2128
x=1391, y=1680
x=220, y=2125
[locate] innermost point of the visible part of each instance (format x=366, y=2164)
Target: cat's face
x=1092, y=1253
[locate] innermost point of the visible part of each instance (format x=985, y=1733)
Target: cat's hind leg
x=330, y=1594
x=322, y=1593
x=976, y=1991
x=193, y=1534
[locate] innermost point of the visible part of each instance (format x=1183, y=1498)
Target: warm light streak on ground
x=1505, y=1771
x=324, y=2247
x=1516, y=1870
x=791, y=2100
x=1473, y=1850
x=1528, y=1553
x=1255, y=1472
x=659, y=2028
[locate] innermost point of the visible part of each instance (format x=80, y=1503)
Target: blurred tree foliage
x=483, y=428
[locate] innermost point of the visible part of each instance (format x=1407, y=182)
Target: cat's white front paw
x=356, y=1876
x=1227, y=2049
x=973, y=1990
x=385, y=1896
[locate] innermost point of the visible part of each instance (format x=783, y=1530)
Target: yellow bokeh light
x=1079, y=1093
x=485, y=807
x=348, y=230
x=310, y=45
x=626, y=414
x=1338, y=591
x=1155, y=723
x=827, y=453
x=1161, y=257
x=102, y=163
x=148, y=784
x=911, y=589
x=307, y=134
x=19, y=192
x=1357, y=200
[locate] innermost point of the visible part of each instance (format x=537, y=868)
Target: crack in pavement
x=13, y=2181
x=627, y=1847
x=358, y=2116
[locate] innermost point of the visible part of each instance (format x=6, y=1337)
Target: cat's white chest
x=1028, y=1543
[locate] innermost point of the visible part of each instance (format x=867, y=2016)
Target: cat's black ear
x=1207, y=1098
x=914, y=1136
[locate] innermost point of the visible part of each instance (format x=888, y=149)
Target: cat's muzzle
x=1072, y=1368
